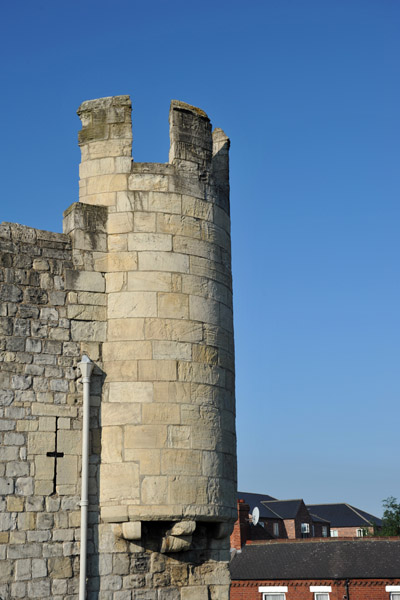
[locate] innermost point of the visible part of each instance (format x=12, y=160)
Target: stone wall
x=40, y=413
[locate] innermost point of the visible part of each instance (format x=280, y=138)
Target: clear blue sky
x=308, y=91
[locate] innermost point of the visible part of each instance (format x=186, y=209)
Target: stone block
x=173, y=306
x=149, y=241
x=114, y=351
x=199, y=209
x=23, y=569
x=194, y=247
x=119, y=481
x=40, y=442
x=88, y=312
x=208, y=268
x=114, y=514
x=123, y=370
x=44, y=467
x=44, y=487
x=67, y=474
x=157, y=370
x=39, y=409
x=145, y=436
x=102, y=199
x=145, y=222
x=163, y=261
x=179, y=225
x=145, y=281
x=201, y=373
x=226, y=316
x=131, y=531
x=179, y=436
x=60, y=567
x=117, y=243
x=164, y=412
x=130, y=391
x=126, y=329
x=88, y=331
x=216, y=235
x=69, y=441
x=14, y=439
x=111, y=444
x=164, y=350
x=173, y=329
x=172, y=392
x=183, y=528
x=99, y=166
x=120, y=414
x=180, y=462
x=117, y=261
x=15, y=504
x=106, y=183
x=84, y=281
x=205, y=354
x=39, y=568
x=154, y=490
x=149, y=460
x=204, y=310
x=26, y=521
x=149, y=182
x=132, y=305
x=115, y=282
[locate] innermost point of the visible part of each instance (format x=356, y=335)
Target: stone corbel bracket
x=179, y=537
x=130, y=530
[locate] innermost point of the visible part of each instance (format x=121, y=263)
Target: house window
x=305, y=529
x=324, y=531
x=276, y=529
x=360, y=532
x=321, y=592
x=334, y=533
x=313, y=530
x=394, y=591
x=273, y=592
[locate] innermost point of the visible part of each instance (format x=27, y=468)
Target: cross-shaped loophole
x=55, y=455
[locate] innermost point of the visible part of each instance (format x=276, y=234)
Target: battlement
x=107, y=169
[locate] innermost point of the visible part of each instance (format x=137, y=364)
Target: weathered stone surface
x=130, y=391
x=120, y=414
x=85, y=281
x=132, y=304
x=119, y=481
x=132, y=530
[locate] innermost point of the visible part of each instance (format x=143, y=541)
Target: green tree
x=390, y=519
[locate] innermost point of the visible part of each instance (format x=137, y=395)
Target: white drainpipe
x=86, y=367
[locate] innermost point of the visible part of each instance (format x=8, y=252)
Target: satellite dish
x=255, y=515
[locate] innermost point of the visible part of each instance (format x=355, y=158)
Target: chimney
x=241, y=529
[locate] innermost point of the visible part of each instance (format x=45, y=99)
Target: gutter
x=86, y=367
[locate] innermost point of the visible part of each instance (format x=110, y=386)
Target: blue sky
x=308, y=91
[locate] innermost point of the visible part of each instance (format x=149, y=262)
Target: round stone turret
x=168, y=448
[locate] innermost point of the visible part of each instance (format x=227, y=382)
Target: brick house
x=292, y=519
x=345, y=520
x=364, y=569
x=278, y=519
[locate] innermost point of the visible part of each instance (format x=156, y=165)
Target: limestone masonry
x=140, y=281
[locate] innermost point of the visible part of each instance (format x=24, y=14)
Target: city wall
x=140, y=281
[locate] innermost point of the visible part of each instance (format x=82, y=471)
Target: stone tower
x=142, y=284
